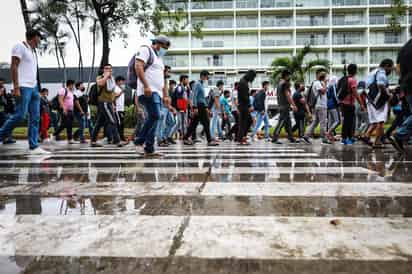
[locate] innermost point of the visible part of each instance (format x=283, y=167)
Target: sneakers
x=188, y=142
x=347, y=142
x=105, y=141
x=95, y=145
x=163, y=144
x=212, y=144
x=277, y=142
x=171, y=141
x=306, y=140
x=153, y=155
x=366, y=141
x=9, y=141
x=397, y=144
x=39, y=151
x=71, y=142
x=326, y=142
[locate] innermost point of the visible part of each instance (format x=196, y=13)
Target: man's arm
x=61, y=103
x=78, y=106
x=290, y=100
x=15, y=62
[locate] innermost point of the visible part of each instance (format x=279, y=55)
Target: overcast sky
x=12, y=31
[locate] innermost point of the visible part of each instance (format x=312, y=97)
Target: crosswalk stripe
x=192, y=170
x=216, y=189
x=170, y=155
x=209, y=237
x=205, y=151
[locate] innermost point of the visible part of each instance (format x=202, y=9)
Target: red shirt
x=351, y=97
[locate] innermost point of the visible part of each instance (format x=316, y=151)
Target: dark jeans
x=397, y=122
x=67, y=123
x=405, y=131
x=226, y=126
x=348, y=121
x=203, y=118
x=81, y=119
x=120, y=124
x=245, y=122
x=147, y=134
x=105, y=118
x=300, y=125
x=284, y=122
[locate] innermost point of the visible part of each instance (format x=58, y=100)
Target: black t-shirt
x=281, y=93
x=297, y=96
x=83, y=101
x=404, y=60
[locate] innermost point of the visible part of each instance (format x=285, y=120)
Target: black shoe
x=366, y=141
x=171, y=141
x=96, y=145
x=188, y=143
x=163, y=144
x=397, y=144
x=277, y=142
x=293, y=141
x=212, y=144
x=306, y=140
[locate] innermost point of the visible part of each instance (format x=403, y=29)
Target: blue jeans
x=215, y=124
x=170, y=125
x=405, y=131
x=82, y=125
x=161, y=124
x=27, y=103
x=262, y=118
x=147, y=134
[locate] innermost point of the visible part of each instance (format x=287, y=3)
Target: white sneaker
x=52, y=139
x=47, y=141
x=39, y=151
x=105, y=141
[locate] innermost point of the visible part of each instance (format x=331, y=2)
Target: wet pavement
x=259, y=209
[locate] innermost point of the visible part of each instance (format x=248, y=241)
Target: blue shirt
x=224, y=102
x=381, y=78
x=199, y=97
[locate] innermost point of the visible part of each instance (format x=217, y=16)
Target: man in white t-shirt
x=119, y=102
x=24, y=75
x=151, y=89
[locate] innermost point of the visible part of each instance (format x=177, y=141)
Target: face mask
x=82, y=89
x=162, y=52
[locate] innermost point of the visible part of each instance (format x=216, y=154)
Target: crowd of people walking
x=168, y=112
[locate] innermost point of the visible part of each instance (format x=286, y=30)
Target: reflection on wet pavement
x=199, y=210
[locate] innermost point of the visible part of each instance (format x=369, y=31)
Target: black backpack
x=343, y=87
x=55, y=104
x=131, y=73
x=94, y=93
x=128, y=97
x=311, y=99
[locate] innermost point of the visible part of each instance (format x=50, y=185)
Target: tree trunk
x=25, y=13
x=93, y=55
x=63, y=61
x=79, y=41
x=105, y=47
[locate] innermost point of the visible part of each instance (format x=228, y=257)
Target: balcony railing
x=276, y=43
x=313, y=41
x=276, y=22
x=347, y=40
x=316, y=21
x=382, y=19
x=380, y=2
x=275, y=3
x=212, y=23
x=348, y=21
x=312, y=3
x=349, y=2
x=212, y=5
x=246, y=4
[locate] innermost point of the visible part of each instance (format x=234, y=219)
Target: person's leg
x=153, y=108
x=314, y=124
x=111, y=122
x=235, y=127
x=266, y=125
x=34, y=118
x=45, y=122
x=288, y=126
x=204, y=119
x=351, y=117
x=100, y=122
x=243, y=123
x=301, y=123
x=69, y=126
x=283, y=115
x=345, y=122
x=21, y=109
x=192, y=127
x=323, y=120
x=259, y=120
x=214, y=124
x=333, y=121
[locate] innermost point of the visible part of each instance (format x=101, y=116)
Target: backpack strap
x=150, y=60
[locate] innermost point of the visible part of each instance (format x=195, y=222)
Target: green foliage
x=296, y=65
x=397, y=12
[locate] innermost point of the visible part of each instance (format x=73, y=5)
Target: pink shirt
x=351, y=97
x=68, y=100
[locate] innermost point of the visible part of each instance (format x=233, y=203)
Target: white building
x=243, y=34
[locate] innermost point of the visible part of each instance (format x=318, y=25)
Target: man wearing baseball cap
x=151, y=89
x=200, y=112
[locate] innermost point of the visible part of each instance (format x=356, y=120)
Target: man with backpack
x=182, y=102
x=216, y=111
x=66, y=104
x=151, y=88
x=319, y=104
x=259, y=105
x=347, y=94
x=333, y=109
x=105, y=87
x=80, y=111
x=244, y=106
x=377, y=102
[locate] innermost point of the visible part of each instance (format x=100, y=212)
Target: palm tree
x=296, y=65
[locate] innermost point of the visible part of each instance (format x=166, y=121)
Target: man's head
x=184, y=79
x=253, y=92
x=172, y=84
x=299, y=86
x=352, y=69
x=70, y=84
x=167, y=71
x=80, y=86
x=44, y=92
x=322, y=76
x=265, y=85
x=226, y=93
x=387, y=65
x=33, y=38
x=220, y=84
x=204, y=75
x=250, y=75
x=161, y=44
x=319, y=72
x=120, y=81
x=108, y=69
x=285, y=75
